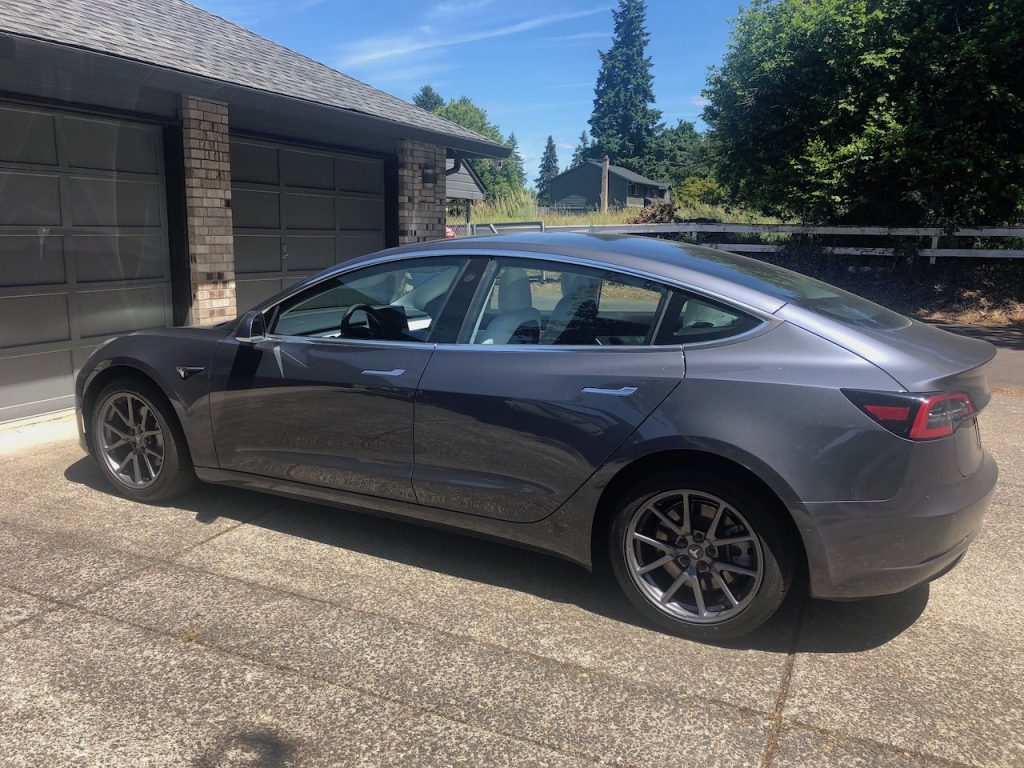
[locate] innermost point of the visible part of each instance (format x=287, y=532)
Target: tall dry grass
x=523, y=206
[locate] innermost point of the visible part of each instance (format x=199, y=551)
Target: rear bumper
x=865, y=549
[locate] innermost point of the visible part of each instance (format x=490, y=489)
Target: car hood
x=919, y=356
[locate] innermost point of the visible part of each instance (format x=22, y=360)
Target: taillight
x=915, y=417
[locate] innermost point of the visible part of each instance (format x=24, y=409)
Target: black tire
x=175, y=475
x=761, y=516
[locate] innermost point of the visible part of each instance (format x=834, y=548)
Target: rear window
x=844, y=306
x=820, y=297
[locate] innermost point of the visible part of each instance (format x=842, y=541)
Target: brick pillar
x=421, y=206
x=207, y=203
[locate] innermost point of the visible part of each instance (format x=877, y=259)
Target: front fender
x=157, y=355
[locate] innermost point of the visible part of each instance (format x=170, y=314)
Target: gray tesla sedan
x=704, y=425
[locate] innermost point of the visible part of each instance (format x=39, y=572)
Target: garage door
x=297, y=211
x=83, y=247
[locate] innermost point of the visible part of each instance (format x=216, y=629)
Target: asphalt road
x=236, y=629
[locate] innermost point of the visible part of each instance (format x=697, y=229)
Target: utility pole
x=604, y=184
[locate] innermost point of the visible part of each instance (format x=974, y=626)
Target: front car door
x=555, y=369
x=327, y=397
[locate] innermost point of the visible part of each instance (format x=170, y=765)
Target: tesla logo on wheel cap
x=694, y=551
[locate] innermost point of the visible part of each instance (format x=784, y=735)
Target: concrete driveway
x=236, y=629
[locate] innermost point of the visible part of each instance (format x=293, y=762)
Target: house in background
x=463, y=187
x=579, y=188
x=160, y=165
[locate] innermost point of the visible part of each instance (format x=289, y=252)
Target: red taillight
x=889, y=412
x=940, y=415
x=915, y=417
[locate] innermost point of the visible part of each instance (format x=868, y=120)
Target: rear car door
x=554, y=370
x=326, y=398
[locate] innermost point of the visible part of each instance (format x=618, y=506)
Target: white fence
x=704, y=233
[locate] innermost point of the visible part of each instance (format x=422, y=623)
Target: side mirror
x=252, y=328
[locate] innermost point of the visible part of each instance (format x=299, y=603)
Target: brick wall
x=420, y=206
x=208, y=211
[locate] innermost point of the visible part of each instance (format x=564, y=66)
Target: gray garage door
x=83, y=247
x=297, y=211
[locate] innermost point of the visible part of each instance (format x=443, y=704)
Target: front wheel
x=138, y=442
x=701, y=555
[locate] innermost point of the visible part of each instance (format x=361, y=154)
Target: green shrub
x=695, y=190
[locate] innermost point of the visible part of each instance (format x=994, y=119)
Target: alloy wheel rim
x=131, y=440
x=694, y=556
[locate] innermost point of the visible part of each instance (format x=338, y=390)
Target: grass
x=522, y=206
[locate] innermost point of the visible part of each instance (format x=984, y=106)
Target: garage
x=160, y=165
x=298, y=210
x=83, y=246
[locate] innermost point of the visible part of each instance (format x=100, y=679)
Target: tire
x=757, y=565
x=145, y=478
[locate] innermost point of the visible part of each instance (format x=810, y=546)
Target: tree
x=548, y=170
x=873, y=111
x=427, y=98
x=675, y=154
x=624, y=123
x=583, y=151
x=515, y=173
x=499, y=182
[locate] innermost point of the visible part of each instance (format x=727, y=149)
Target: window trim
x=767, y=320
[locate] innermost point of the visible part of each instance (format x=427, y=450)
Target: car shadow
x=801, y=624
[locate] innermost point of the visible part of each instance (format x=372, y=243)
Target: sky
x=531, y=64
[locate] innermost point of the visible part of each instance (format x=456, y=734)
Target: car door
x=326, y=397
x=554, y=370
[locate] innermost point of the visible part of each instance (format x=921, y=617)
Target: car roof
x=723, y=274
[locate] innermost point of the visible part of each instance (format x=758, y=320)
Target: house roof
x=632, y=176
x=175, y=35
x=624, y=173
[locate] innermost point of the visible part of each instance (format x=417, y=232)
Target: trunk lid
x=919, y=356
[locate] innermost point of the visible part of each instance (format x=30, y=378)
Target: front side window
x=549, y=303
x=390, y=302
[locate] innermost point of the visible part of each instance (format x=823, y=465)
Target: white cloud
x=579, y=36
x=376, y=49
x=565, y=145
x=451, y=7
x=699, y=101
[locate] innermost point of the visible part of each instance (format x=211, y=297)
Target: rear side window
x=689, y=319
x=550, y=303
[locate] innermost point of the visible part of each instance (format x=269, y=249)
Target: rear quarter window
x=690, y=319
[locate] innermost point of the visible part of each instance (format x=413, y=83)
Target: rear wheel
x=138, y=442
x=700, y=554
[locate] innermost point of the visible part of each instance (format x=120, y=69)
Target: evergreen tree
x=427, y=98
x=583, y=151
x=548, y=170
x=514, y=172
x=624, y=122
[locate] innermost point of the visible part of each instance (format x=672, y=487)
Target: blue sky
x=531, y=64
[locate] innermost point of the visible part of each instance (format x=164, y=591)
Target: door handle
x=620, y=392
x=392, y=372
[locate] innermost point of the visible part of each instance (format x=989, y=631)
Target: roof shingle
x=176, y=35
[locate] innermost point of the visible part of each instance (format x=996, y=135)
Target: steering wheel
x=374, y=326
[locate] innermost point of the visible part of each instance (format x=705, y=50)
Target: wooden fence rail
x=703, y=231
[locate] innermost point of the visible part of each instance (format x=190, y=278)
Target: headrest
x=580, y=287
x=514, y=292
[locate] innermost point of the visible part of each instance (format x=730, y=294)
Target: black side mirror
x=252, y=328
